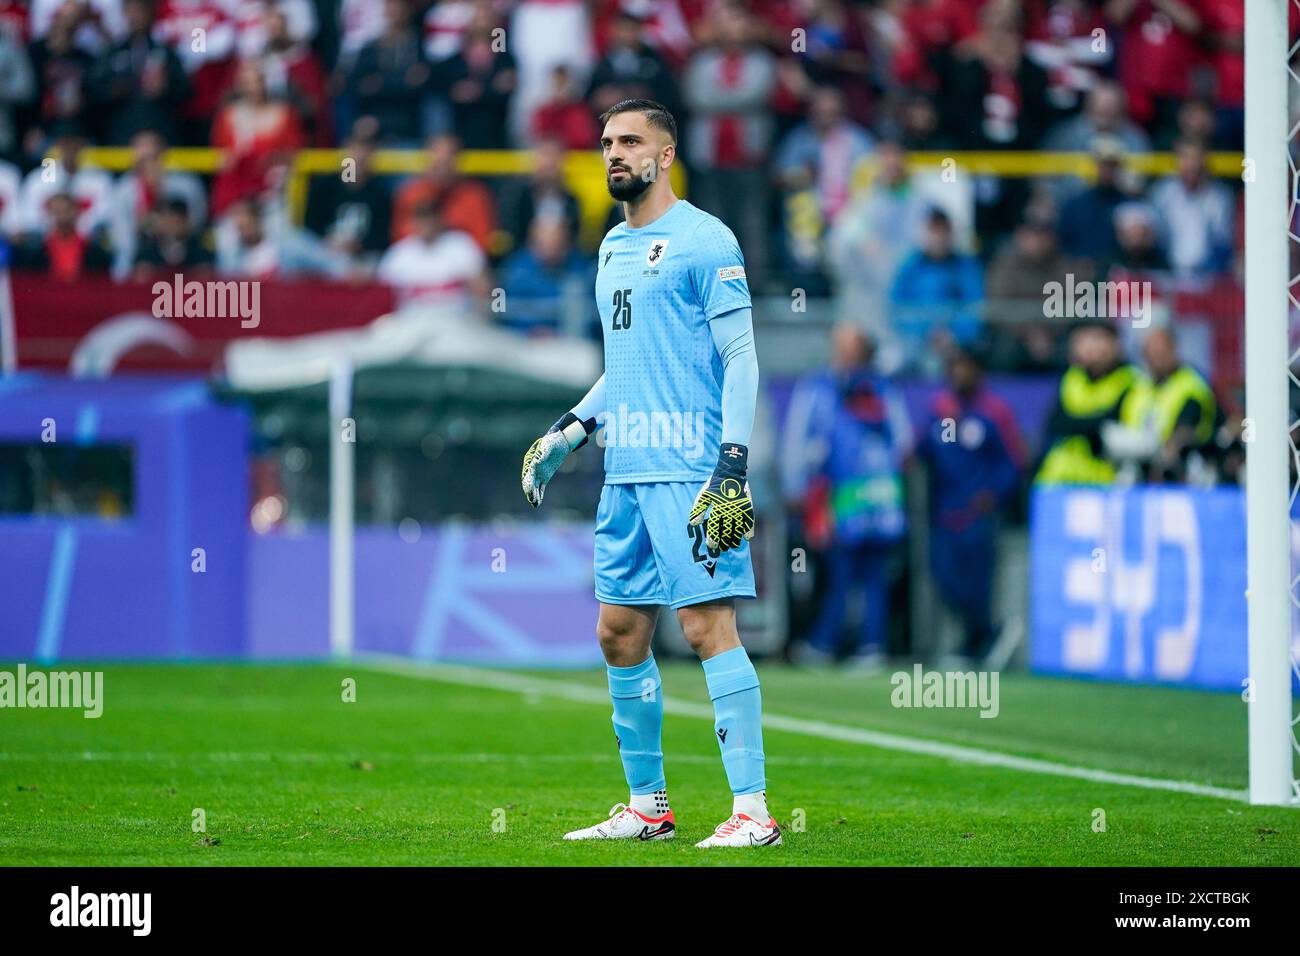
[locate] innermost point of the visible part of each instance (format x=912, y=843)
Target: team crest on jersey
x=658, y=249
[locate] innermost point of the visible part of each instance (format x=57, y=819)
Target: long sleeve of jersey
x=592, y=404
x=733, y=337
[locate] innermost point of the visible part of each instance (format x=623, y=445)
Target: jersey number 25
x=622, y=317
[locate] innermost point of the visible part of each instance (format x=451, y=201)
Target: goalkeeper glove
x=723, y=504
x=544, y=457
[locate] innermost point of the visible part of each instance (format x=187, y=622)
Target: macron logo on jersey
x=731, y=273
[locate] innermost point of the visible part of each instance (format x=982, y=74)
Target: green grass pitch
x=422, y=769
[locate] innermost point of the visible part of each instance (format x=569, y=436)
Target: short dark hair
x=656, y=114
x=938, y=217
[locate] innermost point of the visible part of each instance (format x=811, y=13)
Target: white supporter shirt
x=435, y=272
x=92, y=188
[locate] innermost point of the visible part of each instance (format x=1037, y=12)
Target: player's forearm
x=733, y=337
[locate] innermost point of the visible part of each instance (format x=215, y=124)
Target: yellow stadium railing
x=585, y=176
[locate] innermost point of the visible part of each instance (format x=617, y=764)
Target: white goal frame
x=1269, y=174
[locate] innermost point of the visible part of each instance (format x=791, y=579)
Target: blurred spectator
x=1179, y=409
x=294, y=74
x=171, y=246
x=1137, y=238
x=435, y=264
x=857, y=438
x=139, y=194
x=139, y=83
x=919, y=125
x=669, y=27
x=256, y=242
x=391, y=77
x=997, y=97
x=465, y=204
x=974, y=456
x=258, y=134
x=444, y=28
x=253, y=23
x=480, y=79
x=1105, y=113
x=936, y=291
x=563, y=114
x=1157, y=51
x=17, y=89
x=361, y=22
x=92, y=188
x=1059, y=38
x=1098, y=388
x=817, y=160
x=64, y=253
x=95, y=24
x=209, y=65
x=1022, y=268
x=1197, y=213
x=727, y=88
x=11, y=209
x=544, y=34
x=542, y=194
x=921, y=33
x=61, y=68
x=873, y=235
x=352, y=210
x=1196, y=120
x=14, y=20
x=547, y=283
x=834, y=54
x=630, y=69
x=1087, y=226
x=1224, y=35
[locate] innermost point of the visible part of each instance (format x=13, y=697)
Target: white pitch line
x=379, y=759
x=582, y=693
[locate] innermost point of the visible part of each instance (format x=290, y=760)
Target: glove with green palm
x=723, y=504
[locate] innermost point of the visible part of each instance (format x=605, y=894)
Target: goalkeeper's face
x=635, y=154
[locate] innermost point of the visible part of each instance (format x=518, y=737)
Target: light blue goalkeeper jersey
x=657, y=287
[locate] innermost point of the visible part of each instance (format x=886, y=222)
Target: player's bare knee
x=702, y=631
x=624, y=638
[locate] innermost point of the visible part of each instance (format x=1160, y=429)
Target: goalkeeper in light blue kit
x=675, y=517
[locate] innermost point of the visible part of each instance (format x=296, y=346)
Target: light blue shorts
x=647, y=553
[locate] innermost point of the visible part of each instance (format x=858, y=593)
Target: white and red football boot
x=624, y=823
x=740, y=830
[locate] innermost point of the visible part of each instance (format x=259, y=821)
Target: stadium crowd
x=779, y=104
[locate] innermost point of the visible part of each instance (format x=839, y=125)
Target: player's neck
x=647, y=207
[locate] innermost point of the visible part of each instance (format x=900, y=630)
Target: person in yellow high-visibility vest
x=1098, y=387
x=1177, y=404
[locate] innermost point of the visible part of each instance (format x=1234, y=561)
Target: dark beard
x=628, y=189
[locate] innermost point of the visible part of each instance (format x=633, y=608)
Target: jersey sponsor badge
x=729, y=273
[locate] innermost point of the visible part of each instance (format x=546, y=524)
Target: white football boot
x=624, y=823
x=740, y=830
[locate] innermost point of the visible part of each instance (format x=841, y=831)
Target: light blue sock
x=738, y=718
x=638, y=724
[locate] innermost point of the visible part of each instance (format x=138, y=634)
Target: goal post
x=1270, y=446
